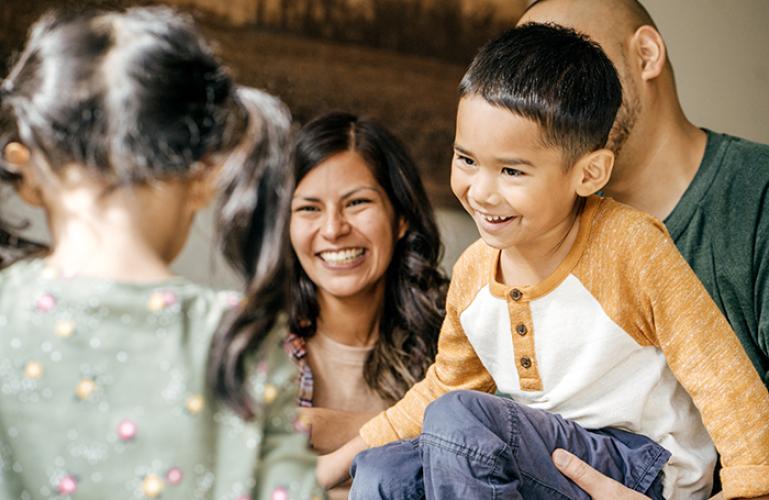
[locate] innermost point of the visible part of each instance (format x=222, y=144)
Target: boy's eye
x=464, y=159
x=513, y=172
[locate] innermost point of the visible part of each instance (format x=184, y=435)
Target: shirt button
x=516, y=294
x=526, y=362
x=521, y=329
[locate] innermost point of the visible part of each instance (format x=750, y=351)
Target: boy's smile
x=516, y=188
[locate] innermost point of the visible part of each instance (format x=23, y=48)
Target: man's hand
x=593, y=482
x=597, y=485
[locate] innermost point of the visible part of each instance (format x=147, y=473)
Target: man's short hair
x=554, y=76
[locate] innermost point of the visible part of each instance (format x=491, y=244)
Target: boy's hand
x=593, y=482
x=333, y=468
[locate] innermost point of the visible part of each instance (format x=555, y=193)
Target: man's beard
x=627, y=116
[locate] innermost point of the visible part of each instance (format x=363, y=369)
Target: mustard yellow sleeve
x=708, y=360
x=456, y=365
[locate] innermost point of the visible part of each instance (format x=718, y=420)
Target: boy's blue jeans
x=477, y=445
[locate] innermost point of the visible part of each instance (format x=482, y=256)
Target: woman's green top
x=103, y=395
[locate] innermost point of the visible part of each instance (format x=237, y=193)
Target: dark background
x=398, y=61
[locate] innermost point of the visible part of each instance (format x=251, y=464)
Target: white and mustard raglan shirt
x=621, y=335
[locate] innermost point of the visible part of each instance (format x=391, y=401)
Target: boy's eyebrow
x=504, y=161
x=462, y=150
x=514, y=161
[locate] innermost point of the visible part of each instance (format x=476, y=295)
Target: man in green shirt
x=711, y=190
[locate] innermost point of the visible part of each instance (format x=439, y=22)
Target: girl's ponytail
x=253, y=222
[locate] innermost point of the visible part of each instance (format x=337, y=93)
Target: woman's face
x=343, y=226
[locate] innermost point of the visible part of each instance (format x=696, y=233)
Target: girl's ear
x=203, y=185
x=18, y=159
x=594, y=170
x=16, y=155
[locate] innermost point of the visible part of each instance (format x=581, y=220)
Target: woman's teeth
x=342, y=256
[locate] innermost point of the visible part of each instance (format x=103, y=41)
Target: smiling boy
x=578, y=308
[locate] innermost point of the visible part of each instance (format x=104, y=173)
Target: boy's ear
x=648, y=48
x=594, y=170
x=18, y=159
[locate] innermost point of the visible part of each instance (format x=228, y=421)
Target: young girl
x=121, y=126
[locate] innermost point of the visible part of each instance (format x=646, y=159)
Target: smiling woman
x=343, y=229
x=368, y=297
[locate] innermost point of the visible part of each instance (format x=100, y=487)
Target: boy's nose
x=483, y=190
x=335, y=225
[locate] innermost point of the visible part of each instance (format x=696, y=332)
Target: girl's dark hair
x=415, y=288
x=136, y=97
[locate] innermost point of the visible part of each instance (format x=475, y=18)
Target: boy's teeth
x=496, y=218
x=342, y=256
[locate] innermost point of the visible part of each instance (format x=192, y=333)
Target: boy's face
x=518, y=191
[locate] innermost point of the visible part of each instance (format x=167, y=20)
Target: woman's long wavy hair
x=415, y=288
x=136, y=97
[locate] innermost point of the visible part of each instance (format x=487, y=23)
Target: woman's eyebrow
x=359, y=189
x=305, y=198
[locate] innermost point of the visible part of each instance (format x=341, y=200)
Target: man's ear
x=648, y=49
x=18, y=160
x=594, y=170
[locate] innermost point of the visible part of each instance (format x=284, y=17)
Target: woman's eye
x=513, y=172
x=357, y=202
x=306, y=208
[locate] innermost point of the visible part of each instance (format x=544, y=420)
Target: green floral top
x=103, y=396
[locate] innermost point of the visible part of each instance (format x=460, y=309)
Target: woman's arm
x=334, y=468
x=331, y=429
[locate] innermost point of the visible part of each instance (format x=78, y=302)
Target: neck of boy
x=531, y=263
x=353, y=320
x=653, y=171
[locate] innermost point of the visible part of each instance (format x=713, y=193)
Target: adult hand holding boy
x=596, y=484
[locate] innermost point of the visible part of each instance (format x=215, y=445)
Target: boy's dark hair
x=554, y=76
